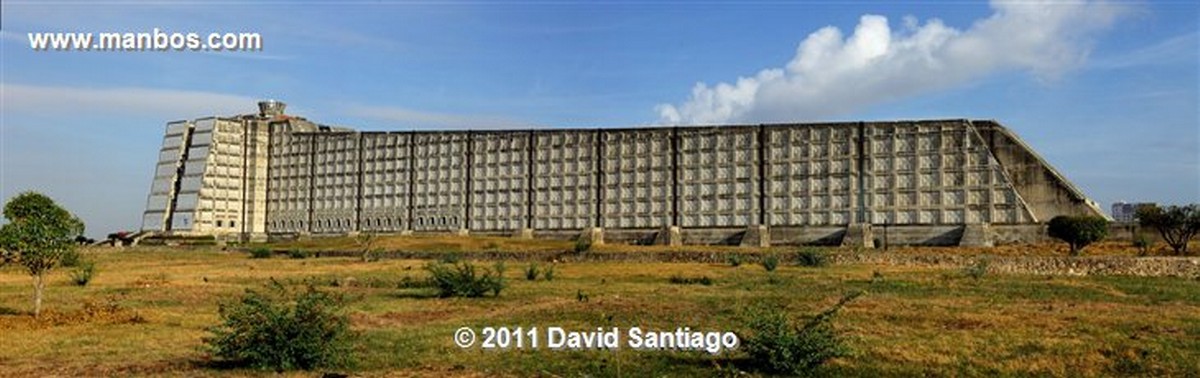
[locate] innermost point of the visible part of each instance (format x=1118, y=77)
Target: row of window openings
x=377, y=222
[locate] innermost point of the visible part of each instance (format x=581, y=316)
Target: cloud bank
x=832, y=74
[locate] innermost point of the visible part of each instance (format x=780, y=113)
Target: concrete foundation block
x=859, y=235
x=593, y=235
x=976, y=235
x=462, y=232
x=756, y=236
x=671, y=236
x=524, y=233
x=406, y=233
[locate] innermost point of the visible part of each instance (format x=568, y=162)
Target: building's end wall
x=1047, y=192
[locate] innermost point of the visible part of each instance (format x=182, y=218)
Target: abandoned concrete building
x=934, y=182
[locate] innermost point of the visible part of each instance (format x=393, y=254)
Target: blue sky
x=1107, y=92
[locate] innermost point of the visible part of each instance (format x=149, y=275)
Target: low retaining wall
x=1186, y=267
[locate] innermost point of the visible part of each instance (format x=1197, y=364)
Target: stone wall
x=1187, y=267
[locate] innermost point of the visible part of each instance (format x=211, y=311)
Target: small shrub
x=70, y=258
x=450, y=258
x=681, y=280
x=770, y=262
x=1078, y=231
x=531, y=272
x=407, y=282
x=812, y=257
x=582, y=245
x=463, y=279
x=977, y=269
x=298, y=254
x=280, y=330
x=260, y=253
x=735, y=260
x=1142, y=243
x=84, y=273
x=775, y=343
x=876, y=277
x=548, y=274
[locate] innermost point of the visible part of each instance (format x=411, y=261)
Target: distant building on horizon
x=1125, y=212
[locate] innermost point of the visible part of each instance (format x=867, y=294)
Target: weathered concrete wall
x=335, y=183
x=1043, y=188
x=440, y=183
x=166, y=175
x=920, y=180
x=565, y=182
x=386, y=176
x=636, y=170
x=289, y=186
x=500, y=162
x=810, y=174
x=718, y=177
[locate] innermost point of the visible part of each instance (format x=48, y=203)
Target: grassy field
x=147, y=311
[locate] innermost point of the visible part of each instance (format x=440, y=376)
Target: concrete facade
x=829, y=183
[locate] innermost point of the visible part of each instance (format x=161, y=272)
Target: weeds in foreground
x=776, y=344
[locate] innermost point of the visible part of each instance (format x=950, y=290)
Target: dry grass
x=148, y=308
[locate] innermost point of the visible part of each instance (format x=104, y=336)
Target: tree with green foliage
x=1176, y=224
x=38, y=234
x=1078, y=231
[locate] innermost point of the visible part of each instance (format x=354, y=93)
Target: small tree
x=38, y=235
x=1176, y=224
x=1078, y=231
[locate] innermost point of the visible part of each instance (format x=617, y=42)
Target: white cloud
x=161, y=103
x=832, y=74
x=409, y=118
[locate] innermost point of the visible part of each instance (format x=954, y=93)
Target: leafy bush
x=531, y=272
x=1078, y=231
x=83, y=274
x=583, y=245
x=260, y=253
x=463, y=279
x=450, y=258
x=70, y=258
x=734, y=260
x=681, y=280
x=282, y=330
x=548, y=274
x=977, y=269
x=298, y=254
x=1142, y=243
x=776, y=344
x=812, y=257
x=770, y=262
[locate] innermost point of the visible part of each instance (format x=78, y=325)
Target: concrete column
x=756, y=236
x=594, y=235
x=524, y=233
x=859, y=235
x=670, y=235
x=976, y=235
